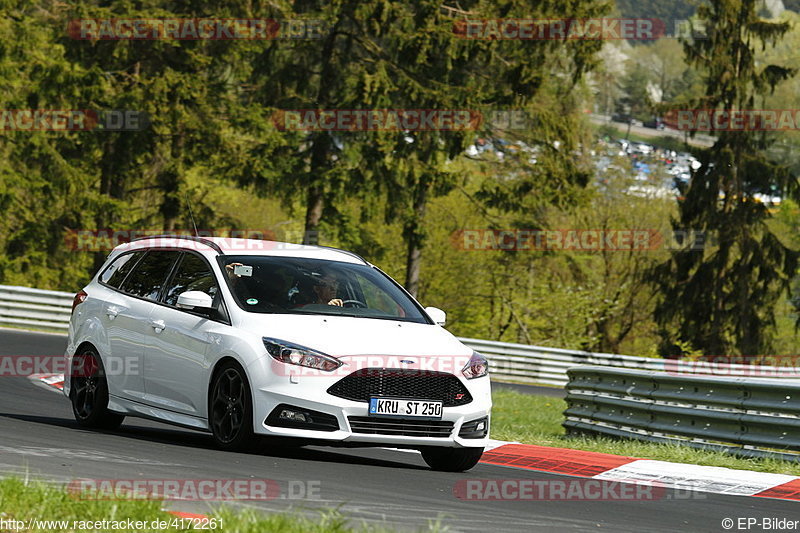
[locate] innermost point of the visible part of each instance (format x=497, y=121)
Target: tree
x=417, y=62
x=666, y=11
x=52, y=183
x=438, y=70
x=42, y=176
x=606, y=78
x=312, y=74
x=663, y=59
x=722, y=300
x=191, y=90
x=391, y=55
x=637, y=99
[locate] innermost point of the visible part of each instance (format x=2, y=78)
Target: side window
x=193, y=274
x=149, y=276
x=116, y=271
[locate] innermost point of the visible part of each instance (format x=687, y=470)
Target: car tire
x=230, y=408
x=89, y=392
x=451, y=459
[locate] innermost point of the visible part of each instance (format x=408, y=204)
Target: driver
x=326, y=289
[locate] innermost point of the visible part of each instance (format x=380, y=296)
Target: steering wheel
x=355, y=303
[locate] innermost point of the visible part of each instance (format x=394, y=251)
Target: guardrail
x=751, y=417
x=50, y=310
x=37, y=308
x=540, y=364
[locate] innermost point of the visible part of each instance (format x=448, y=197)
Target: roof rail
x=352, y=254
x=211, y=244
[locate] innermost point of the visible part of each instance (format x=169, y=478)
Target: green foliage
x=667, y=11
x=399, y=197
x=637, y=100
x=722, y=300
x=576, y=299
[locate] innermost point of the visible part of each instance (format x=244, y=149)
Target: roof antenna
x=189, y=204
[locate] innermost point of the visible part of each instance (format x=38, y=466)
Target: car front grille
x=363, y=384
x=407, y=428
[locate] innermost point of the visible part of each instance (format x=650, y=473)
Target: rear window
x=115, y=273
x=150, y=274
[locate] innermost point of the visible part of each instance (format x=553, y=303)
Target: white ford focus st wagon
x=243, y=338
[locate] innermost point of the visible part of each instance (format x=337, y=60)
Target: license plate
x=405, y=408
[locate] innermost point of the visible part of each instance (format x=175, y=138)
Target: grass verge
x=58, y=511
x=537, y=420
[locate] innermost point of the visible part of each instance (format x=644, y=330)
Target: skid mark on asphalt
x=87, y=455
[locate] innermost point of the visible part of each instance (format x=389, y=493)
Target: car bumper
x=309, y=393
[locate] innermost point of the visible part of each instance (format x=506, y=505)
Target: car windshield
x=290, y=285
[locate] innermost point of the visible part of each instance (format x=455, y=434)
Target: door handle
x=158, y=325
x=112, y=312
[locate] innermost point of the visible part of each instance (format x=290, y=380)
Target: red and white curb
x=190, y=516
x=631, y=470
x=52, y=381
x=609, y=467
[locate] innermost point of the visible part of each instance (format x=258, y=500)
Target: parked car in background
x=655, y=122
x=625, y=119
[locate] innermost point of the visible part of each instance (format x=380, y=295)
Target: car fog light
x=475, y=429
x=287, y=414
x=292, y=416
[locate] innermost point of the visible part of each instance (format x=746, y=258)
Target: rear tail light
x=79, y=299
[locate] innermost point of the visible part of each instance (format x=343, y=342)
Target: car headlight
x=294, y=354
x=476, y=367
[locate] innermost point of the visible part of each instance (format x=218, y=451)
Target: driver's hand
x=336, y=301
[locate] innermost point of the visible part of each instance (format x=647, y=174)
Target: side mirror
x=437, y=315
x=195, y=300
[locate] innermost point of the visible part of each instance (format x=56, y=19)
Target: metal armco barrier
x=539, y=364
x=745, y=416
x=36, y=308
x=50, y=310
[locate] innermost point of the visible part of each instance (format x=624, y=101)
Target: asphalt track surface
x=38, y=437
